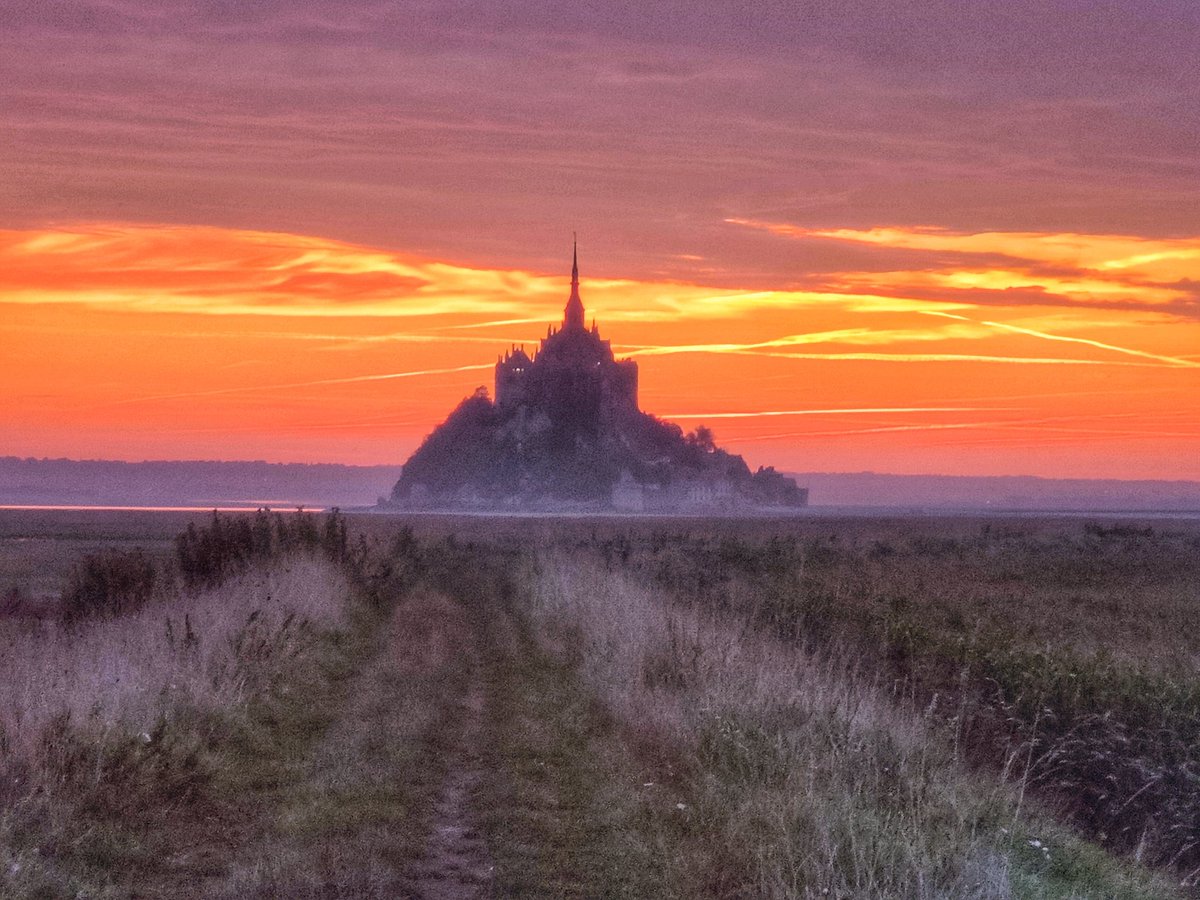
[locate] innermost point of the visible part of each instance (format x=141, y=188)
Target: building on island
x=573, y=367
x=564, y=431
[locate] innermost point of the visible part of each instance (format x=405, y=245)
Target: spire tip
x=573, y=315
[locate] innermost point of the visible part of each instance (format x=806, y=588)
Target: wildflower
x=681, y=806
x=1035, y=844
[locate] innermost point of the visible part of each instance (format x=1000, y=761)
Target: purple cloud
x=488, y=131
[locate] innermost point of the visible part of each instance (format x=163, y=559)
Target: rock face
x=565, y=431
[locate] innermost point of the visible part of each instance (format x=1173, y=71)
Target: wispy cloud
x=318, y=382
x=859, y=336
x=213, y=271
x=1016, y=268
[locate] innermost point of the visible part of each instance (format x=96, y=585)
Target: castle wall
x=621, y=385
x=513, y=379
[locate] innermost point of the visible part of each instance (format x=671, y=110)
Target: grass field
x=470, y=706
x=38, y=548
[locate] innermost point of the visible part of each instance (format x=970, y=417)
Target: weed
x=109, y=584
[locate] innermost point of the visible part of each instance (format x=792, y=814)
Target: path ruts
x=456, y=863
x=461, y=761
x=355, y=814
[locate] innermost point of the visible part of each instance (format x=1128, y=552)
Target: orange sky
x=137, y=341
x=955, y=238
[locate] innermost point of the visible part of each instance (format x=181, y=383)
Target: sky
x=913, y=237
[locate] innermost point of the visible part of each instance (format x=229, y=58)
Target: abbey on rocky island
x=565, y=431
x=573, y=370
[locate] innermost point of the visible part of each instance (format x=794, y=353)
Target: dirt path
x=560, y=802
x=354, y=813
x=456, y=864
x=458, y=761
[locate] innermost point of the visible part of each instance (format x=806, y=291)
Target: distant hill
x=205, y=483
x=202, y=483
x=1009, y=492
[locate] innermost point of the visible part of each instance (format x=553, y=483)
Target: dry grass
x=800, y=776
x=116, y=736
x=1071, y=648
x=685, y=721
x=352, y=819
x=130, y=672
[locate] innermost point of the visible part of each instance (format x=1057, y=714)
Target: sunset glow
x=173, y=341
x=311, y=250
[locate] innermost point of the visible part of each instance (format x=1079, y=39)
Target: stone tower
x=573, y=374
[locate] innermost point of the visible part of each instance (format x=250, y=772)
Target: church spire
x=573, y=314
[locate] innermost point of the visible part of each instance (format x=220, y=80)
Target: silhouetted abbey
x=565, y=428
x=573, y=372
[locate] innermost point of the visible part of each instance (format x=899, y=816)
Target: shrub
x=109, y=584
x=227, y=546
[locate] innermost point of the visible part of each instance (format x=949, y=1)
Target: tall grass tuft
x=108, y=730
x=794, y=774
x=207, y=649
x=109, y=584
x=228, y=545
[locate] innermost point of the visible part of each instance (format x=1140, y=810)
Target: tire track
x=457, y=864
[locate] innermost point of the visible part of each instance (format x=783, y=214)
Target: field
x=472, y=706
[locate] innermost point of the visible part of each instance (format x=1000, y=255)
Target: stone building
x=563, y=430
x=572, y=374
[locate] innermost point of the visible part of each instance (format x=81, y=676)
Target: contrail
x=944, y=357
x=764, y=349
x=1175, y=361
x=389, y=376
x=834, y=412
x=1045, y=424
x=494, y=324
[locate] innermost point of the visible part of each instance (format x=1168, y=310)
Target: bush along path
x=144, y=747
